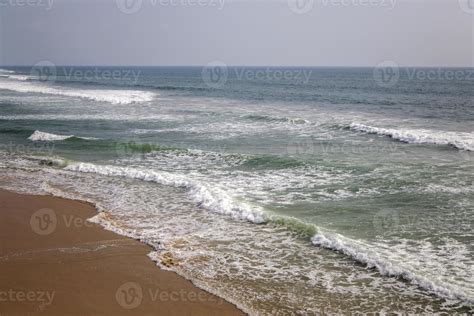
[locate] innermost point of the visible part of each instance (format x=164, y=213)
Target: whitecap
x=110, y=96
x=43, y=136
x=459, y=140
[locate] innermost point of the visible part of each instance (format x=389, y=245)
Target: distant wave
x=111, y=96
x=464, y=141
x=267, y=118
x=6, y=71
x=118, y=84
x=20, y=77
x=42, y=136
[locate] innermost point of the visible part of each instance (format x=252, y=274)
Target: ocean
x=282, y=190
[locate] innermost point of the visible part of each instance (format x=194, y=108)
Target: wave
x=359, y=252
x=214, y=199
x=6, y=71
x=217, y=200
x=19, y=77
x=268, y=118
x=205, y=195
x=463, y=141
x=124, y=84
x=110, y=96
x=43, y=136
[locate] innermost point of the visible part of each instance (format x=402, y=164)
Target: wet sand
x=54, y=262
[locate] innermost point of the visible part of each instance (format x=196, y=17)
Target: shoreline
x=54, y=261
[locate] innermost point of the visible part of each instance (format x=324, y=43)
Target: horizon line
x=236, y=66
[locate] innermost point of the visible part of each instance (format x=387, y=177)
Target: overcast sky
x=264, y=32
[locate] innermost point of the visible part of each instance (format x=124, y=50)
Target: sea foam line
x=373, y=260
x=459, y=140
x=213, y=199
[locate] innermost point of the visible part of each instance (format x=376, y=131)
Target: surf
x=50, y=137
x=459, y=140
x=109, y=96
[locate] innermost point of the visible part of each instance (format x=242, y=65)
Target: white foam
x=209, y=197
x=374, y=257
x=111, y=96
x=43, y=136
x=19, y=77
x=420, y=136
x=88, y=117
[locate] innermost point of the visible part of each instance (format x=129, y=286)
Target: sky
x=236, y=32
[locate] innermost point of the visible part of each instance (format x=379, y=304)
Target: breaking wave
x=464, y=141
x=205, y=195
x=43, y=136
x=110, y=96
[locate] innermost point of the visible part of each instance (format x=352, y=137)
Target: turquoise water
x=282, y=195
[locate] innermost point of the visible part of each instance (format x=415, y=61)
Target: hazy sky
x=263, y=32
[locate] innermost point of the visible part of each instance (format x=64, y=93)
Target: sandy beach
x=54, y=262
